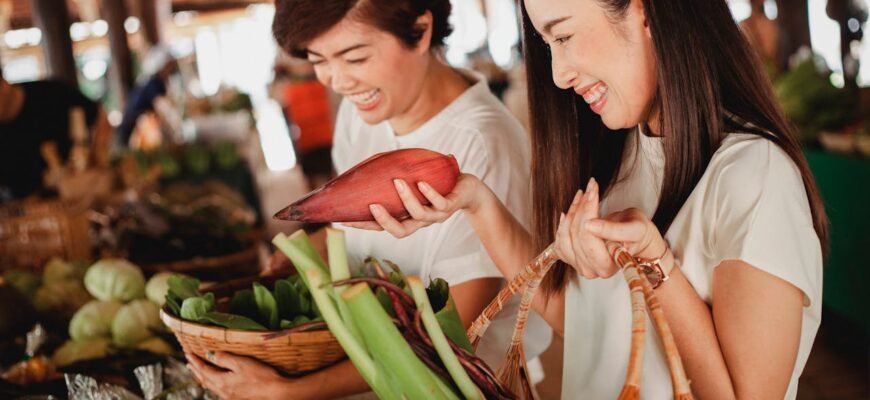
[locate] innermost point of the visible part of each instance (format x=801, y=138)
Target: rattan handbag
x=514, y=374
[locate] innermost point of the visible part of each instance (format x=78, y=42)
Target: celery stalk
x=338, y=268
x=389, y=348
x=314, y=276
x=457, y=372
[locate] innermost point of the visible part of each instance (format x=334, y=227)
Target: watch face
x=654, y=275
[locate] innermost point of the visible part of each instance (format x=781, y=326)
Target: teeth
x=595, y=93
x=364, y=97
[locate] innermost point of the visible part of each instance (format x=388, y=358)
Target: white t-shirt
x=749, y=205
x=488, y=143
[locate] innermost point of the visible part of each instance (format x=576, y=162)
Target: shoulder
x=749, y=164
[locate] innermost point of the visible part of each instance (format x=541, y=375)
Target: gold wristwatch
x=653, y=269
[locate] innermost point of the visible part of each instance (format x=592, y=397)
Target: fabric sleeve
x=763, y=218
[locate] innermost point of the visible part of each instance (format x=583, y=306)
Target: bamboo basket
x=32, y=232
x=293, y=353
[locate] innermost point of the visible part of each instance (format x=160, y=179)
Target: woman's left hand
x=235, y=377
x=582, y=236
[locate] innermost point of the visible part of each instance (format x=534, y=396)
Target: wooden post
x=52, y=18
x=121, y=72
x=794, y=24
x=153, y=15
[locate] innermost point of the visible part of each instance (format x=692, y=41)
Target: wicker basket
x=295, y=353
x=33, y=232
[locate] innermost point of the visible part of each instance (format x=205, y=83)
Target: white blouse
x=750, y=205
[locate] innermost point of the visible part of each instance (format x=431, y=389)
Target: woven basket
x=295, y=353
x=33, y=232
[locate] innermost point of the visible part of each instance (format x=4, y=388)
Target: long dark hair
x=705, y=69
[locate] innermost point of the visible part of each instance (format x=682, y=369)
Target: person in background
x=159, y=66
x=653, y=126
x=385, y=58
x=34, y=113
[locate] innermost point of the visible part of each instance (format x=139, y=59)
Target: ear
x=424, y=22
x=638, y=9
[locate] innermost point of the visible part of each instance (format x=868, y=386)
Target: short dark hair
x=298, y=22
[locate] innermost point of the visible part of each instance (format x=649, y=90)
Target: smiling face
x=605, y=58
x=380, y=75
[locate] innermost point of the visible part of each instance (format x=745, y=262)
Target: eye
x=562, y=40
x=316, y=62
x=357, y=60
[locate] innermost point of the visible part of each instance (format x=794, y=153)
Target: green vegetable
x=231, y=321
x=58, y=270
x=61, y=298
x=157, y=288
x=93, y=320
x=194, y=308
x=156, y=345
x=197, y=159
x=225, y=155
x=180, y=288
x=134, y=323
x=73, y=351
x=243, y=304
x=115, y=279
x=266, y=305
x=169, y=168
x=439, y=340
x=27, y=282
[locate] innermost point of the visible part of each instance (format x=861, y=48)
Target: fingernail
x=209, y=355
x=399, y=186
x=593, y=225
x=577, y=197
x=373, y=208
x=423, y=185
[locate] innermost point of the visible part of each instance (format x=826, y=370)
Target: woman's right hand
x=466, y=195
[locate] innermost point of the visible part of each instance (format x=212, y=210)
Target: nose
x=335, y=77
x=563, y=76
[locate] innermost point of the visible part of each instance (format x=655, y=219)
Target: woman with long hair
x=662, y=133
x=385, y=58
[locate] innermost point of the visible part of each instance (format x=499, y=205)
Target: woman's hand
x=581, y=237
x=466, y=195
x=235, y=377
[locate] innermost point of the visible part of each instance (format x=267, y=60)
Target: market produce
x=156, y=345
x=73, y=351
x=115, y=279
x=347, y=197
x=157, y=287
x=390, y=326
x=26, y=281
x=58, y=270
x=93, y=320
x=60, y=299
x=288, y=306
x=135, y=322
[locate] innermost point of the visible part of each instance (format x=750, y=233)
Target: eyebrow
x=549, y=25
x=341, y=52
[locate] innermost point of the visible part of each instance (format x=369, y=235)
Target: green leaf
x=285, y=296
x=195, y=307
x=301, y=319
x=266, y=305
x=231, y=321
x=448, y=320
x=285, y=324
x=174, y=303
x=183, y=287
x=243, y=304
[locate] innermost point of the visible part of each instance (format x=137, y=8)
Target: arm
x=506, y=241
x=746, y=346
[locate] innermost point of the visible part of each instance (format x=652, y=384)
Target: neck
x=441, y=85
x=11, y=101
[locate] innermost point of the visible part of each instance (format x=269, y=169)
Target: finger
x=227, y=361
x=564, y=248
x=412, y=225
x=409, y=200
x=632, y=231
x=438, y=201
x=390, y=224
x=366, y=225
x=589, y=208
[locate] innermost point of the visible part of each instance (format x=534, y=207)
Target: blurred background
x=215, y=129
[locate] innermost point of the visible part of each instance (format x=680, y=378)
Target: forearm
x=337, y=381
x=692, y=325
x=510, y=246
